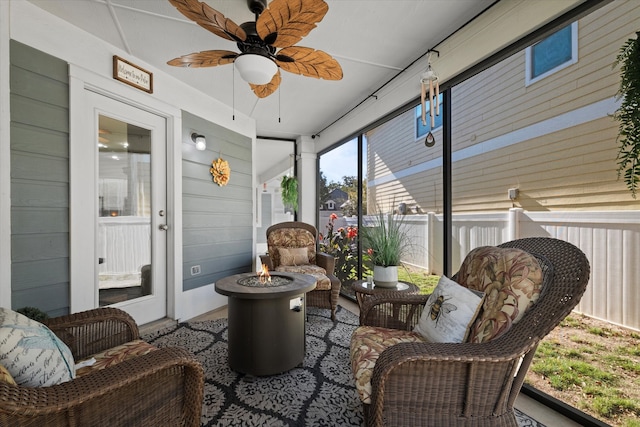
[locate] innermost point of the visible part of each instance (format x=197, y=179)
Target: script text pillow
x=31, y=353
x=294, y=256
x=449, y=312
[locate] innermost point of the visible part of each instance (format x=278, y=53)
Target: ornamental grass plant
x=387, y=240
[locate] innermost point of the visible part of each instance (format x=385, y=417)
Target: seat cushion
x=323, y=282
x=33, y=355
x=511, y=280
x=116, y=355
x=367, y=343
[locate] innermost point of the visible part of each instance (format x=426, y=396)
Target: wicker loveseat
x=475, y=382
x=292, y=248
x=163, y=387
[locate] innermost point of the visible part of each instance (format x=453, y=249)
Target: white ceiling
x=373, y=40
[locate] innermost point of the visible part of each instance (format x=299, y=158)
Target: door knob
x=163, y=227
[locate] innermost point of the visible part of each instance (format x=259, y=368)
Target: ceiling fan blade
x=210, y=19
x=289, y=20
x=310, y=62
x=207, y=58
x=262, y=91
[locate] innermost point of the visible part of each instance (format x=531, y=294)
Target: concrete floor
x=524, y=403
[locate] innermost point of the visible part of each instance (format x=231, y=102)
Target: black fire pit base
x=266, y=325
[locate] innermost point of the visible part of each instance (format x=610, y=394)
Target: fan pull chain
x=233, y=92
x=279, y=91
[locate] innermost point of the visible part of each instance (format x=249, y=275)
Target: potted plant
x=289, y=189
x=628, y=114
x=386, y=242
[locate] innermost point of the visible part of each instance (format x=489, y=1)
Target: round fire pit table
x=266, y=321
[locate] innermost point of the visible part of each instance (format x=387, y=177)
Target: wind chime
x=429, y=80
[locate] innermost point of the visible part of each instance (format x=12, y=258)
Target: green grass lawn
x=592, y=365
x=426, y=282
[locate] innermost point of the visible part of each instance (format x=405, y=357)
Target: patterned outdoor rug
x=319, y=393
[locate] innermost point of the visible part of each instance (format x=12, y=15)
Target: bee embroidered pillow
x=449, y=312
x=31, y=353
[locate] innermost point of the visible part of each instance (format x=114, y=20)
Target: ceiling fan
x=266, y=44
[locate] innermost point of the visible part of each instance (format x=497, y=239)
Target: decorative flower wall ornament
x=221, y=171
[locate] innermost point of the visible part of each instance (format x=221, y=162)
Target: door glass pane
x=124, y=211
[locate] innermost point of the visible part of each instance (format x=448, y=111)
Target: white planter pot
x=385, y=277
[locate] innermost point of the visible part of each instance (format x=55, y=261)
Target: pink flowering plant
x=342, y=244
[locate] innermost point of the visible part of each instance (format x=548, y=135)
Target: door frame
x=82, y=292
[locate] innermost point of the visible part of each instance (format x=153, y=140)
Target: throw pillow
x=293, y=256
x=32, y=354
x=449, y=312
x=510, y=278
x=5, y=376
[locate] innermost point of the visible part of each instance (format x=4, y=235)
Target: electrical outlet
x=195, y=270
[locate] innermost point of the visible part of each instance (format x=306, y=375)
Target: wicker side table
x=364, y=290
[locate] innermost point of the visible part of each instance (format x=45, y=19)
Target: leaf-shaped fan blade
x=291, y=20
x=310, y=62
x=210, y=19
x=262, y=91
x=207, y=58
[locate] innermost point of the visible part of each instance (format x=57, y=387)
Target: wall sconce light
x=201, y=142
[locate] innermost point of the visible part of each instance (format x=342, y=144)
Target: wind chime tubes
x=430, y=79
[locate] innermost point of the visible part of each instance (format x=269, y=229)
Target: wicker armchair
x=161, y=388
x=468, y=384
x=292, y=235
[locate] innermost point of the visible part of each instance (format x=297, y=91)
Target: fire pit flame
x=264, y=274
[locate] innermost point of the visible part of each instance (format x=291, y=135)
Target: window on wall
x=422, y=130
x=552, y=54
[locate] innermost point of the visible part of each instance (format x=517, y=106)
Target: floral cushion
x=323, y=283
x=511, y=280
x=291, y=238
x=367, y=343
x=33, y=355
x=116, y=355
x=5, y=376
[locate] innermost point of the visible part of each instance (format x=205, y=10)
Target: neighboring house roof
x=338, y=195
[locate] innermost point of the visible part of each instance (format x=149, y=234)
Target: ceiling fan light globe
x=256, y=69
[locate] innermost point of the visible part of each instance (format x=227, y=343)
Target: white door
x=130, y=195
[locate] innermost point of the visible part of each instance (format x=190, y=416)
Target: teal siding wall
x=39, y=180
x=217, y=221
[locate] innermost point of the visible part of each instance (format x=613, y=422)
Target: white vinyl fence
x=610, y=240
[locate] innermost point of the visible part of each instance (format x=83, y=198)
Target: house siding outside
x=525, y=137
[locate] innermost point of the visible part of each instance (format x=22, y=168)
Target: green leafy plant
x=342, y=244
x=628, y=114
x=386, y=240
x=33, y=313
x=289, y=189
